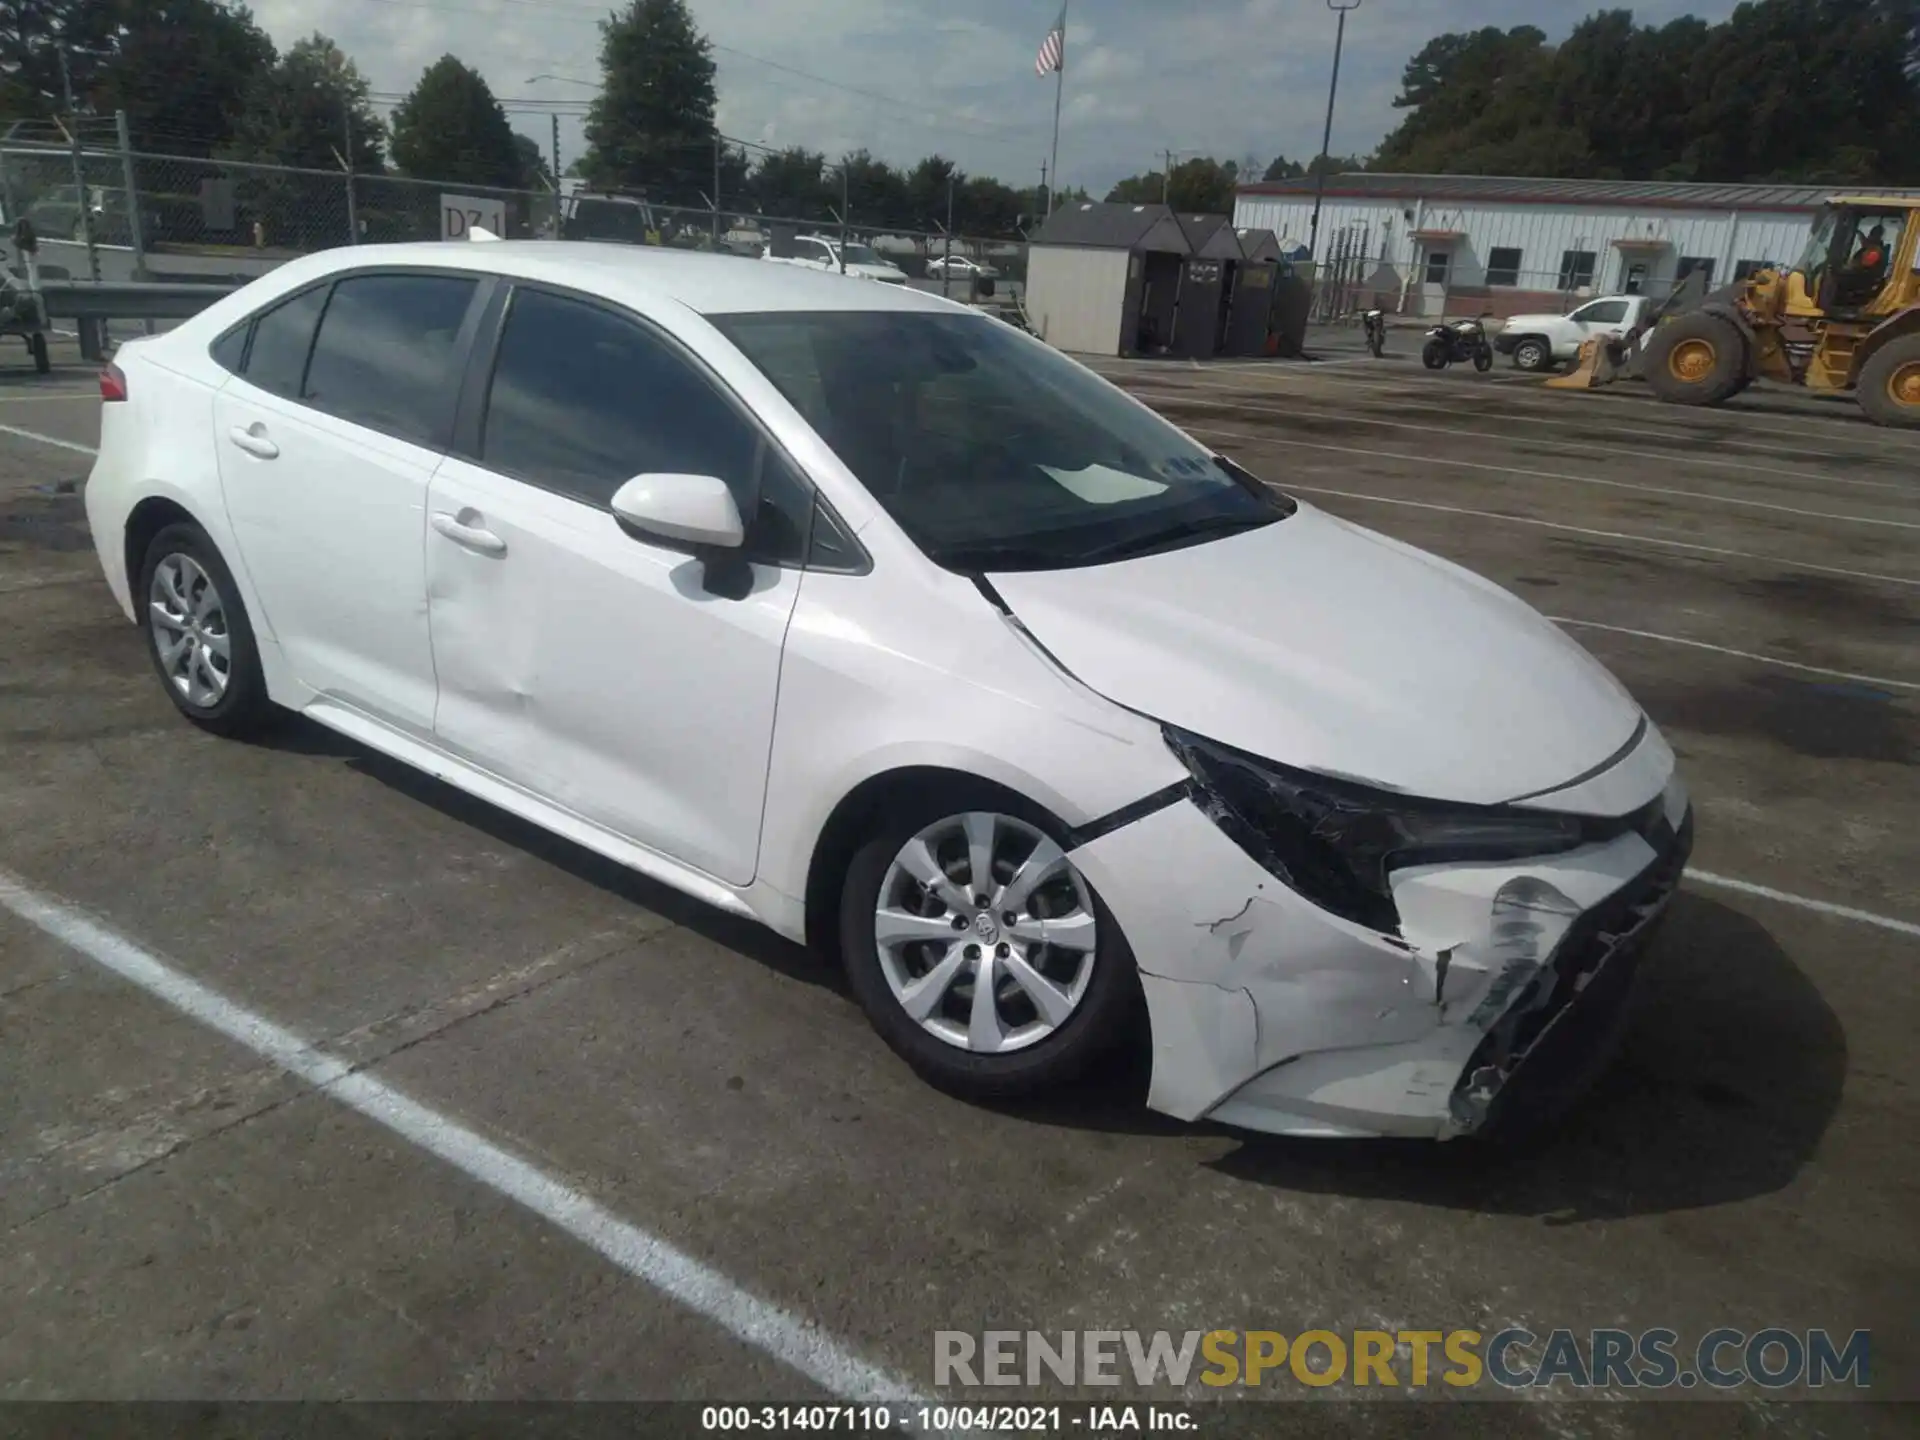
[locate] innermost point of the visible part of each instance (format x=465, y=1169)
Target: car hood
x=1522, y=322
x=1325, y=646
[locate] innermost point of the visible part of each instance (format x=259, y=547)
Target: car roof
x=705, y=283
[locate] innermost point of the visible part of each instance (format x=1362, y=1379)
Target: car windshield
x=861, y=255
x=991, y=450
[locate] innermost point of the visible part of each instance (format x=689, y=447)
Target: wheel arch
x=850, y=823
x=147, y=519
x=1905, y=322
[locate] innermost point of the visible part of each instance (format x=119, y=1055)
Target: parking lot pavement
x=183, y=1217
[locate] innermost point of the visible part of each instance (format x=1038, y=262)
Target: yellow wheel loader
x=1845, y=318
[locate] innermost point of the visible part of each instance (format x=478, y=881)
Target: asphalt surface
x=184, y=1218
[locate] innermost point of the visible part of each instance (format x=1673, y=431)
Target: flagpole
x=1059, y=85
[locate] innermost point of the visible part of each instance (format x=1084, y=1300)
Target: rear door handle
x=473, y=537
x=253, y=439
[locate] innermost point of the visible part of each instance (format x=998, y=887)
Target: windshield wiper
x=1009, y=556
x=1210, y=528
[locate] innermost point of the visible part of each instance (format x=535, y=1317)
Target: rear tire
x=190, y=611
x=1483, y=359
x=37, y=348
x=1094, y=1005
x=1533, y=356
x=1698, y=359
x=1434, y=356
x=1890, y=384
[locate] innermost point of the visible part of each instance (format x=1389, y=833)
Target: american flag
x=1053, y=50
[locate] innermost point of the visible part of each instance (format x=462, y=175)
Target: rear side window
x=230, y=350
x=387, y=353
x=282, y=340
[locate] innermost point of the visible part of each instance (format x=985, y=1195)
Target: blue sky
x=1238, y=79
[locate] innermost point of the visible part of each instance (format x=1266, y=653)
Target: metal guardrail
x=129, y=300
x=93, y=303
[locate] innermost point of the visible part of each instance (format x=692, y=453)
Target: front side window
x=282, y=340
x=1602, y=312
x=387, y=356
x=584, y=400
x=992, y=451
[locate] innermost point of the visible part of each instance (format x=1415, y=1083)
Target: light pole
x=1326, y=138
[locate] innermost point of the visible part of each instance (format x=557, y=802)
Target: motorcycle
x=1376, y=323
x=1456, y=344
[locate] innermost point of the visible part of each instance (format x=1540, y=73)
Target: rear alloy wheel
x=198, y=634
x=981, y=954
x=1699, y=359
x=1532, y=356
x=1890, y=383
x=1434, y=356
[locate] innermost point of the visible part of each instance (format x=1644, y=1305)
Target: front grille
x=1561, y=1043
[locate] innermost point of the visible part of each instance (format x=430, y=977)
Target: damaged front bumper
x=1502, y=995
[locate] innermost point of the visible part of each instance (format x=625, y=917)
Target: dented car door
x=607, y=675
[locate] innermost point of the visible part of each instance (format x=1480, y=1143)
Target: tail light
x=113, y=383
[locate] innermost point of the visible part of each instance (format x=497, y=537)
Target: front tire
x=1434, y=356
x=1532, y=356
x=917, y=942
x=1890, y=384
x=1698, y=359
x=198, y=635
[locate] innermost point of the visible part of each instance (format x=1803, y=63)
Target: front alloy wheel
x=985, y=934
x=979, y=951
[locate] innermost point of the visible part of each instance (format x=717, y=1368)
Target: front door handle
x=473, y=537
x=254, y=440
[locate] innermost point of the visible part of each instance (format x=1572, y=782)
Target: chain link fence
x=127, y=215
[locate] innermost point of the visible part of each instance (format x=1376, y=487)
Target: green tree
x=181, y=69
x=928, y=186
x=301, y=112
x=1202, y=186
x=791, y=185
x=452, y=128
x=875, y=192
x=651, y=127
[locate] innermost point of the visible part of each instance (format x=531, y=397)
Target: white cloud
x=1227, y=77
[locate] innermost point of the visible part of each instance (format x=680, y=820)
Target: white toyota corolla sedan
x=868, y=616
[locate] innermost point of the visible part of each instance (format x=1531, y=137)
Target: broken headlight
x=1335, y=842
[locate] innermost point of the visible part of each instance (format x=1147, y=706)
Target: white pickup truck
x=818, y=252
x=1539, y=342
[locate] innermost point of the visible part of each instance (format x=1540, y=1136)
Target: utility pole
x=1166, y=181
x=353, y=203
x=716, y=190
x=559, y=203
x=946, y=270
x=136, y=232
x=1341, y=7
x=82, y=195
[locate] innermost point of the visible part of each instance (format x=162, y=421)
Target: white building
x=1455, y=244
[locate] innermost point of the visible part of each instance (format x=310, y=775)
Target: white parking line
x=1590, y=480
x=1183, y=394
x=1688, y=545
x=53, y=440
x=775, y=1332
x=1742, y=654
x=1819, y=907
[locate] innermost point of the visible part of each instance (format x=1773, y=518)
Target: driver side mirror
x=682, y=512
